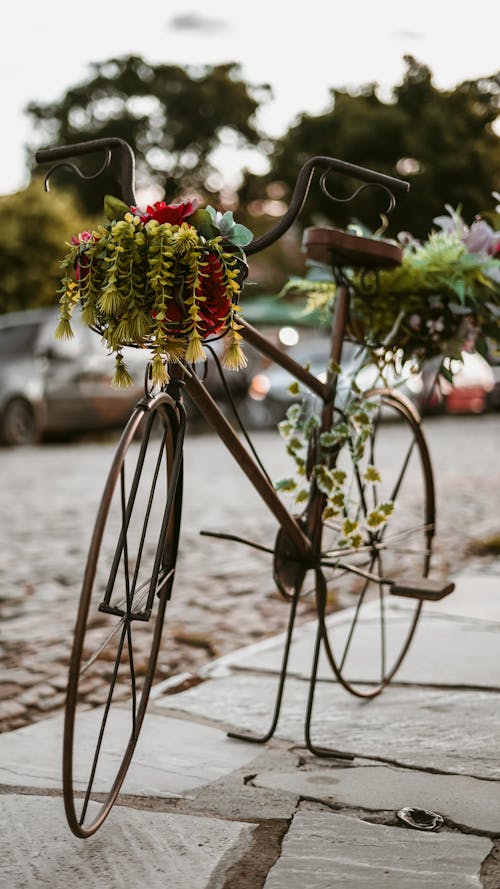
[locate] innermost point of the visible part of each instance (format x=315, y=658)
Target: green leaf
x=327, y=439
x=203, y=221
x=240, y=235
x=114, y=208
x=446, y=373
x=226, y=224
x=286, y=484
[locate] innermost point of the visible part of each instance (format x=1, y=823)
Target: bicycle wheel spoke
x=124, y=539
x=163, y=576
x=404, y=467
x=133, y=702
x=148, y=510
x=383, y=638
x=350, y=636
x=102, y=728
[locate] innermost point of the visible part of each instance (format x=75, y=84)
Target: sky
x=302, y=50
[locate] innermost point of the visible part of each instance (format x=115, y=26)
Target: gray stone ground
x=202, y=811
x=224, y=596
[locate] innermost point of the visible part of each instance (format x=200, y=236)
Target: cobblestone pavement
x=224, y=596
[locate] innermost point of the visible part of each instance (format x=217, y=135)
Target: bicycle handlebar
x=303, y=185
x=299, y=195
x=126, y=160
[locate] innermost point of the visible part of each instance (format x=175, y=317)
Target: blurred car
x=493, y=397
x=54, y=388
x=269, y=395
x=475, y=388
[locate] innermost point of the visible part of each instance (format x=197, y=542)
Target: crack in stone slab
x=490, y=869
x=252, y=870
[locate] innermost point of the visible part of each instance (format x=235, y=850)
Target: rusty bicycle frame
x=195, y=388
x=298, y=544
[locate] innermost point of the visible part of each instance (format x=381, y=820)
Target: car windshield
x=17, y=340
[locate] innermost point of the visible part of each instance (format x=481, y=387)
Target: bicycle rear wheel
x=366, y=641
x=127, y=583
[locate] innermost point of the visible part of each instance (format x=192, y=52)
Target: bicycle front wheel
x=366, y=641
x=127, y=583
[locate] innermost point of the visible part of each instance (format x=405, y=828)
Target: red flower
x=215, y=308
x=82, y=263
x=175, y=214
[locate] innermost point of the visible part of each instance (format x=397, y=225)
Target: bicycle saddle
x=332, y=246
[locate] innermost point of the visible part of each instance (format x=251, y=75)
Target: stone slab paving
x=450, y=648
x=466, y=802
x=443, y=652
x=134, y=848
x=172, y=757
x=323, y=849
x=476, y=597
x=448, y=730
x=475, y=603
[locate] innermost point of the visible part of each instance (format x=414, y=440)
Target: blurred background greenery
x=177, y=117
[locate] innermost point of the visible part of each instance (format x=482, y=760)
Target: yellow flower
x=184, y=241
x=63, y=330
x=234, y=359
x=121, y=378
x=195, y=351
x=159, y=372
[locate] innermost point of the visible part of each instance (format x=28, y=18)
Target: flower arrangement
x=164, y=279
x=447, y=288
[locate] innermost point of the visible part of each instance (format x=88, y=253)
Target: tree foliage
x=442, y=141
x=34, y=232
x=173, y=117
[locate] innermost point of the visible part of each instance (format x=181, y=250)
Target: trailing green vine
x=352, y=430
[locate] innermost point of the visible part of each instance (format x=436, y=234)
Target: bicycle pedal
x=422, y=588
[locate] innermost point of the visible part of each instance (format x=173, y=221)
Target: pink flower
x=175, y=214
x=480, y=238
x=82, y=263
x=82, y=238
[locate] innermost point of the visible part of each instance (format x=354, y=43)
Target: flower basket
x=166, y=280
x=447, y=289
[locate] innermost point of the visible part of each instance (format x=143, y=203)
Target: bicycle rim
x=127, y=583
x=367, y=640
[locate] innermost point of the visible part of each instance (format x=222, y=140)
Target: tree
x=442, y=141
x=33, y=237
x=174, y=118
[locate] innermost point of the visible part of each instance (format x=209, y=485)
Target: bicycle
x=122, y=608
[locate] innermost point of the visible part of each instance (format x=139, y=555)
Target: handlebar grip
x=362, y=173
